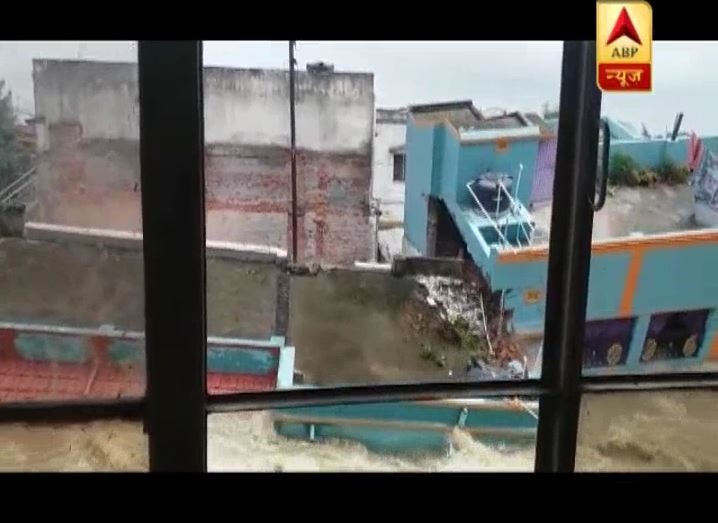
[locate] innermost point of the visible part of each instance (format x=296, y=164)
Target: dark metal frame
x=176, y=404
x=293, y=152
x=172, y=174
x=569, y=258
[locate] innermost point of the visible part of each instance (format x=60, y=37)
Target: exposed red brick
x=247, y=189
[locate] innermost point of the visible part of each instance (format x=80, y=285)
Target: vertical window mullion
x=569, y=259
x=171, y=160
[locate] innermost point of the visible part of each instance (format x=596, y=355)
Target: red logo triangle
x=624, y=27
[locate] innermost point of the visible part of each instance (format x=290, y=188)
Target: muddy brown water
x=347, y=329
x=656, y=431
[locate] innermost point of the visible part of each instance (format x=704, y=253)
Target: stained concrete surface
x=347, y=326
x=362, y=327
x=647, y=210
x=88, y=286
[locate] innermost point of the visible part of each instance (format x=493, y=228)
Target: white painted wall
x=388, y=193
x=334, y=112
x=102, y=96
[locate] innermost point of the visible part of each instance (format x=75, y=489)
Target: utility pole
x=293, y=146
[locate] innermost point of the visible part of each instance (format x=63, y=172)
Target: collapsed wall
x=89, y=176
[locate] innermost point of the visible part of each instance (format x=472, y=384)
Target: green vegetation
x=427, y=353
x=673, y=174
x=13, y=159
x=624, y=170
x=470, y=342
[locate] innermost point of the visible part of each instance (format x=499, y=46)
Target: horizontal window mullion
x=71, y=411
x=371, y=394
x=644, y=382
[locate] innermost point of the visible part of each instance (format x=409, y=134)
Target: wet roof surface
x=630, y=210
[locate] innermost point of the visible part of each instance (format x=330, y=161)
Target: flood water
x=656, y=431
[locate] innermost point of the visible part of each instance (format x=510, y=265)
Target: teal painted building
x=641, y=317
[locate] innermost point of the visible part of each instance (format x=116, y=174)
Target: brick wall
x=90, y=175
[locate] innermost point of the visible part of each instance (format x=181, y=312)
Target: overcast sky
x=512, y=75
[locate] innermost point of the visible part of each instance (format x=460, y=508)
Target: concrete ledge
x=83, y=235
x=373, y=267
x=130, y=240
x=245, y=251
x=411, y=265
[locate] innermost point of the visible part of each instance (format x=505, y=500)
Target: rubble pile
x=457, y=301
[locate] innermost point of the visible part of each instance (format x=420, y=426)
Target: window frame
x=402, y=177
x=172, y=177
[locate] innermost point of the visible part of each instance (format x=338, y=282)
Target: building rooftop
x=508, y=121
x=634, y=210
x=472, y=123
x=546, y=127
x=460, y=113
x=391, y=115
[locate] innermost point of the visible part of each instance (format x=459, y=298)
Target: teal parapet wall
x=418, y=186
x=410, y=427
x=439, y=163
x=475, y=159
x=60, y=344
x=652, y=153
x=634, y=277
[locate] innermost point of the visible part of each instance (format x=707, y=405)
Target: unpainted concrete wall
x=90, y=175
x=348, y=325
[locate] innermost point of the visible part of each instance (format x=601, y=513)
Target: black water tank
x=486, y=188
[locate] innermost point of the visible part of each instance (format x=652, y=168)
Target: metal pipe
x=293, y=147
x=518, y=181
x=493, y=222
x=486, y=328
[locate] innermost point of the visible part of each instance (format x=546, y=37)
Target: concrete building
x=468, y=189
x=88, y=174
x=388, y=169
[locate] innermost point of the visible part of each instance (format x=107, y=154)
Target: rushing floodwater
x=247, y=442
x=647, y=431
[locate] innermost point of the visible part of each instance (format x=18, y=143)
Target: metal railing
x=517, y=210
x=524, y=222
x=492, y=221
x=15, y=187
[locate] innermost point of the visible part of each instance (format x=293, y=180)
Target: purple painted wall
x=545, y=168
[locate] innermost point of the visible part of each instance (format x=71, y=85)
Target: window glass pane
x=71, y=313
x=648, y=431
x=652, y=288
x=100, y=446
x=452, y=435
x=402, y=273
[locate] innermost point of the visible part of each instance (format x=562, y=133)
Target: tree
x=13, y=159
